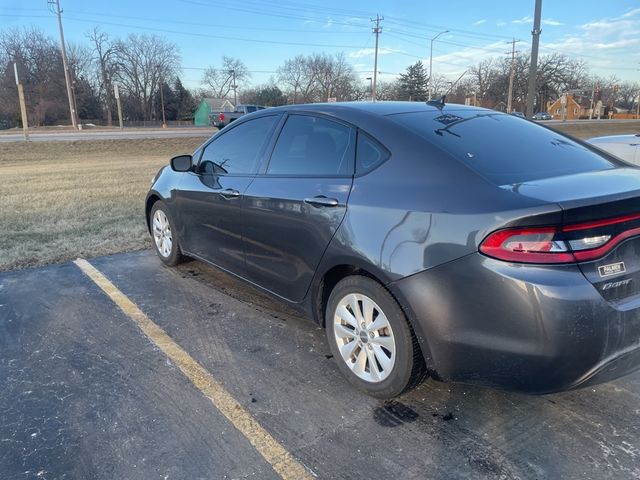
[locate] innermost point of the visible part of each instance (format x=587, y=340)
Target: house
x=576, y=107
x=208, y=106
x=500, y=106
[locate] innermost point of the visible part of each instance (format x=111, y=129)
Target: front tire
x=371, y=339
x=164, y=236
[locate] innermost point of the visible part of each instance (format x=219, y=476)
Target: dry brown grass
x=61, y=200
x=596, y=129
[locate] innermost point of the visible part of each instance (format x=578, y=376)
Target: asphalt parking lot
x=85, y=394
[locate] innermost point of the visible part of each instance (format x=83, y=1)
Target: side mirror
x=181, y=163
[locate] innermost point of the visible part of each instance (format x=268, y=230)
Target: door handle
x=230, y=193
x=321, y=201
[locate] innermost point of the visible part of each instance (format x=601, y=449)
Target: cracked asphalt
x=84, y=394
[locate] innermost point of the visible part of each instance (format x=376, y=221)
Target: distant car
x=626, y=147
x=542, y=116
x=518, y=114
x=422, y=237
x=222, y=119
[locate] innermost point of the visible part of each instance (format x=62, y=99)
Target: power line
x=214, y=25
x=222, y=37
x=269, y=13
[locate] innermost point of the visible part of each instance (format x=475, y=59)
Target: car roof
x=615, y=139
x=380, y=108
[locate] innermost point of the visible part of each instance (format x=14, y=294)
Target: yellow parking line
x=273, y=452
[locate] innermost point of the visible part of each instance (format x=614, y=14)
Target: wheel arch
x=332, y=275
x=152, y=198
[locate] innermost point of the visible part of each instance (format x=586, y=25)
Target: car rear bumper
x=536, y=329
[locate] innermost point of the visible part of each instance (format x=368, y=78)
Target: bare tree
x=141, y=61
x=40, y=67
x=220, y=80
x=83, y=81
x=386, y=90
x=104, y=57
x=334, y=76
x=297, y=78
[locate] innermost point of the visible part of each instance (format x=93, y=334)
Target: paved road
x=110, y=135
x=84, y=394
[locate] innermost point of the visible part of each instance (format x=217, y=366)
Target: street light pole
x=431, y=63
x=234, y=86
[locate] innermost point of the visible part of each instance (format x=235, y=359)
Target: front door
x=294, y=207
x=210, y=198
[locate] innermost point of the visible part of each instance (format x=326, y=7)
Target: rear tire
x=163, y=233
x=371, y=339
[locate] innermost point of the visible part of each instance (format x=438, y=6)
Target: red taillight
x=221, y=117
x=571, y=243
x=527, y=245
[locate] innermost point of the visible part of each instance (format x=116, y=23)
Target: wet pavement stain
x=393, y=414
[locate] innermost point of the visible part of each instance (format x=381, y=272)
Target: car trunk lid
x=602, y=208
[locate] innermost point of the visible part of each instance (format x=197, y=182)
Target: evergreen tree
x=185, y=103
x=413, y=83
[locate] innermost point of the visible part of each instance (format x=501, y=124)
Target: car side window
x=236, y=151
x=369, y=154
x=313, y=146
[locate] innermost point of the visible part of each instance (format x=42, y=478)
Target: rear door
x=293, y=208
x=209, y=201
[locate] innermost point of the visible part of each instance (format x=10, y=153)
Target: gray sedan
x=465, y=243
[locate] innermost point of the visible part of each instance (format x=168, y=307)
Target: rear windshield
x=503, y=148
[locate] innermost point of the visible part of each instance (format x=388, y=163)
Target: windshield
x=503, y=148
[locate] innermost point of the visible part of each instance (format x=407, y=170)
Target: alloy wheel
x=364, y=337
x=162, y=233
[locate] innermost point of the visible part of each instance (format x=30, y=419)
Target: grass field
x=61, y=200
x=596, y=129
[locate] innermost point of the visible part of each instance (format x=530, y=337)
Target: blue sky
x=264, y=33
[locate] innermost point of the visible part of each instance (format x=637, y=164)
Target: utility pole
x=116, y=93
x=431, y=64
x=638, y=104
x=23, y=107
x=594, y=90
x=55, y=4
x=377, y=30
x=511, y=74
x=164, y=119
x=533, y=69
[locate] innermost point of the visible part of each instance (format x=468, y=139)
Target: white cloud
x=369, y=52
x=480, y=22
x=501, y=23
x=552, y=22
x=526, y=19
x=452, y=64
x=631, y=13
x=609, y=45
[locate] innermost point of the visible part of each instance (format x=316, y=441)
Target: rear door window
x=503, y=148
x=313, y=146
